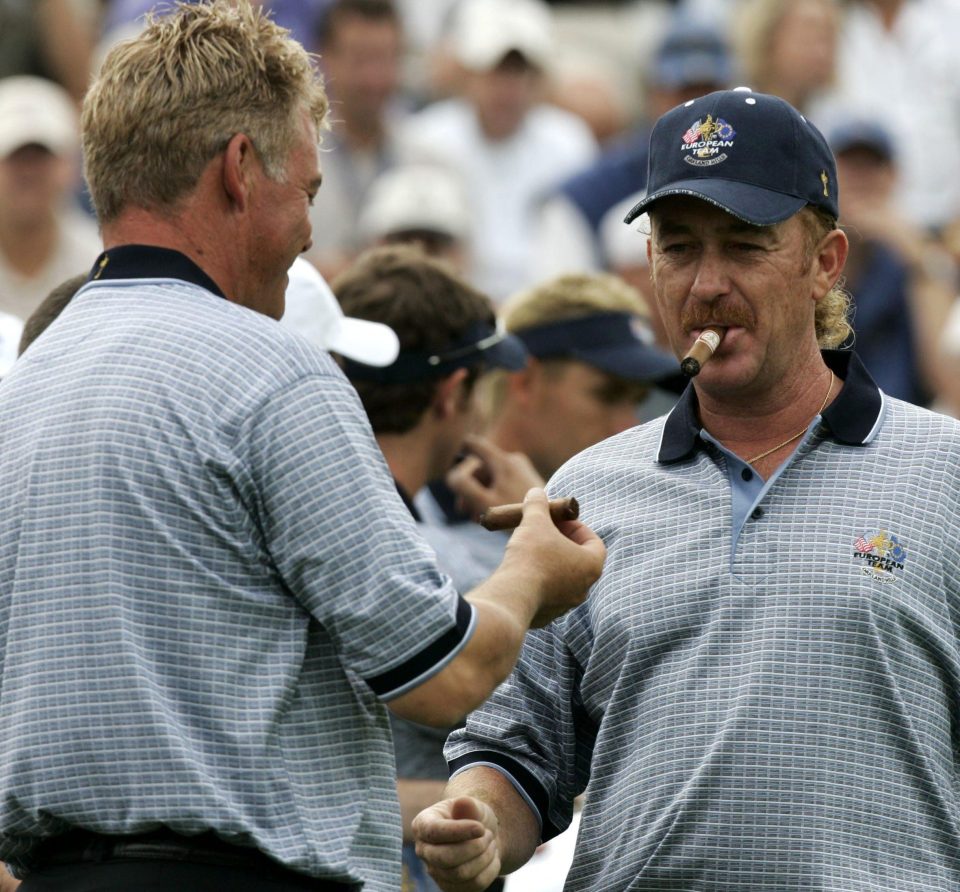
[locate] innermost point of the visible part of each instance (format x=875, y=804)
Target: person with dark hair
x=50, y=307
x=421, y=407
x=761, y=691
x=210, y=593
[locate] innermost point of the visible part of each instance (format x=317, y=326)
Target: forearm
x=504, y=610
x=518, y=834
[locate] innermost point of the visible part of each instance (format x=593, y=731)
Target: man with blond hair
x=209, y=586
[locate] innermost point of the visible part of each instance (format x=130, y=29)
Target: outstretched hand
x=566, y=558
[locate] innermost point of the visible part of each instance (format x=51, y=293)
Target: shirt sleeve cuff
x=530, y=789
x=429, y=661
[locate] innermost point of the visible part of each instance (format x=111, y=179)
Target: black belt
x=164, y=845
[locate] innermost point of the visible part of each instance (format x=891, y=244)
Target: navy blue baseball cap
x=752, y=155
x=620, y=344
x=483, y=344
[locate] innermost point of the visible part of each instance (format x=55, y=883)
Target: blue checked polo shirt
x=761, y=691
x=208, y=583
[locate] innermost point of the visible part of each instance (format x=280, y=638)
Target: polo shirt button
x=757, y=513
x=747, y=474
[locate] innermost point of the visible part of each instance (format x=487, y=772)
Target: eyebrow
x=736, y=227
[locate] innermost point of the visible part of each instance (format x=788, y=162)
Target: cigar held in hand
x=507, y=517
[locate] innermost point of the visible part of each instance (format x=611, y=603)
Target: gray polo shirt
x=761, y=692
x=208, y=584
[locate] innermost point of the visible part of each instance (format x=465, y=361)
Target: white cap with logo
x=312, y=310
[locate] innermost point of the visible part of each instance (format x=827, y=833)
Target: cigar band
x=710, y=338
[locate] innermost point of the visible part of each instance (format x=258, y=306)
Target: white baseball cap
x=313, y=311
x=415, y=197
x=484, y=31
x=36, y=111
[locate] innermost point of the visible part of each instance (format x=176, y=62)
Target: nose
x=711, y=280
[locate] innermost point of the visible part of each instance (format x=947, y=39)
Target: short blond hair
x=165, y=103
x=570, y=297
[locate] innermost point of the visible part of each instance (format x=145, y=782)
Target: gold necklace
x=799, y=433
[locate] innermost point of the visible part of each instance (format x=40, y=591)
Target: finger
x=447, y=831
x=483, y=447
x=476, y=874
x=467, y=808
x=535, y=504
x=465, y=474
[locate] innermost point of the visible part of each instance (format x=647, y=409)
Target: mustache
x=722, y=315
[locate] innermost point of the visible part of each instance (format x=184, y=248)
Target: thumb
x=535, y=502
x=466, y=808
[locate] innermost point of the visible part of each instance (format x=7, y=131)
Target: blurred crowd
x=510, y=136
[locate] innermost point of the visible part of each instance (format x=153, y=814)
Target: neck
x=136, y=226
x=410, y=461
x=512, y=431
x=750, y=429
x=362, y=133
x=888, y=11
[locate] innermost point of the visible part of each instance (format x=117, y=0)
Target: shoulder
x=207, y=338
x=611, y=462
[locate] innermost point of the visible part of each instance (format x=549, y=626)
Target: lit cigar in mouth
x=507, y=517
x=700, y=352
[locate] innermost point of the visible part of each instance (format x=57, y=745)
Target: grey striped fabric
x=761, y=714
x=203, y=567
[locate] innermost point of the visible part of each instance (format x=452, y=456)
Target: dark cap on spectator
x=691, y=53
x=860, y=133
x=620, y=344
x=752, y=155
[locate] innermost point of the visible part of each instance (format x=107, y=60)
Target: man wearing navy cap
x=760, y=693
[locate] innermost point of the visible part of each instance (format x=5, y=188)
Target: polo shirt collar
x=150, y=262
x=852, y=418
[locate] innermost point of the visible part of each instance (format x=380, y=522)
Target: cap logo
x=705, y=140
x=826, y=183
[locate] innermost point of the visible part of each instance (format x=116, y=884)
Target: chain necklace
x=799, y=433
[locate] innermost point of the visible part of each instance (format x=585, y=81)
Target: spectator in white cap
x=509, y=147
x=44, y=237
x=421, y=204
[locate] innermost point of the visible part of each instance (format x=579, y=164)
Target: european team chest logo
x=705, y=141
x=881, y=554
